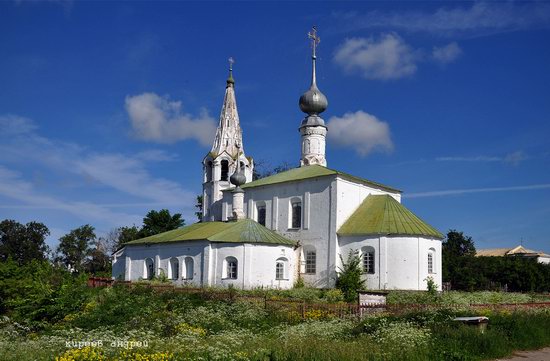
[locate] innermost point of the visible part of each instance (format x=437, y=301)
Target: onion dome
x=238, y=178
x=313, y=102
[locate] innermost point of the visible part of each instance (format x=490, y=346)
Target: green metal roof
x=243, y=231
x=312, y=171
x=383, y=215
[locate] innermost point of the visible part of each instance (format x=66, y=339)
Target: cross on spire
x=230, y=80
x=315, y=40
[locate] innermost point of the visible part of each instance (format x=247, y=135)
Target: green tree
x=198, y=213
x=454, y=248
x=349, y=276
x=99, y=260
x=23, y=243
x=75, y=247
x=118, y=236
x=128, y=234
x=156, y=222
x=458, y=245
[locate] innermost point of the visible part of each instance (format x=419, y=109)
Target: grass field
x=140, y=323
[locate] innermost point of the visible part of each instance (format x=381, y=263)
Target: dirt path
x=538, y=355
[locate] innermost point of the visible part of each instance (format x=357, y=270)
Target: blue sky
x=107, y=108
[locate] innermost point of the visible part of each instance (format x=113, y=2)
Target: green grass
x=43, y=308
x=192, y=327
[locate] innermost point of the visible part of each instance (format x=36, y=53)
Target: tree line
x=80, y=250
x=466, y=271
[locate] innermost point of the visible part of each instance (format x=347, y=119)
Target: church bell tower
x=313, y=103
x=226, y=155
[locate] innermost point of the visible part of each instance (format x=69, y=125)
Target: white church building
x=295, y=224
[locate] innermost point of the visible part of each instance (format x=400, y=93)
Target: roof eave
x=349, y=234
x=245, y=186
x=366, y=182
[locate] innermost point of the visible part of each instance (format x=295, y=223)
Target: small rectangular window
x=296, y=215
x=225, y=170
x=311, y=262
x=430, y=263
x=279, y=271
x=368, y=262
x=261, y=215
x=232, y=270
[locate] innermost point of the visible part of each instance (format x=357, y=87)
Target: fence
x=295, y=310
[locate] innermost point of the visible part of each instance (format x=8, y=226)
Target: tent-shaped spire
x=229, y=132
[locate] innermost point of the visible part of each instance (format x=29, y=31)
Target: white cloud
x=117, y=176
x=481, y=18
x=386, y=57
x=478, y=158
x=514, y=158
x=158, y=119
x=13, y=124
x=13, y=186
x=156, y=155
x=128, y=175
x=453, y=192
x=361, y=131
x=446, y=54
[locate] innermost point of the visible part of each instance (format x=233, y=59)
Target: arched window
x=225, y=170
x=311, y=261
x=260, y=208
x=296, y=213
x=231, y=268
x=368, y=260
x=174, y=268
x=281, y=268
x=189, y=268
x=208, y=171
x=149, y=268
x=431, y=260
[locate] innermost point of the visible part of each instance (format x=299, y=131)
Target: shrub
x=432, y=286
x=334, y=295
x=299, y=282
x=349, y=276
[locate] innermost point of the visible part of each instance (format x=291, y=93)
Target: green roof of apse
x=312, y=171
x=383, y=215
x=243, y=231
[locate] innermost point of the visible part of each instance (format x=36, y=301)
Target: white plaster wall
x=118, y=262
x=408, y=257
x=256, y=263
x=321, y=216
x=544, y=260
x=162, y=253
x=401, y=262
x=350, y=195
x=317, y=218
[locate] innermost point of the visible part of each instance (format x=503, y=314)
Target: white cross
x=315, y=40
